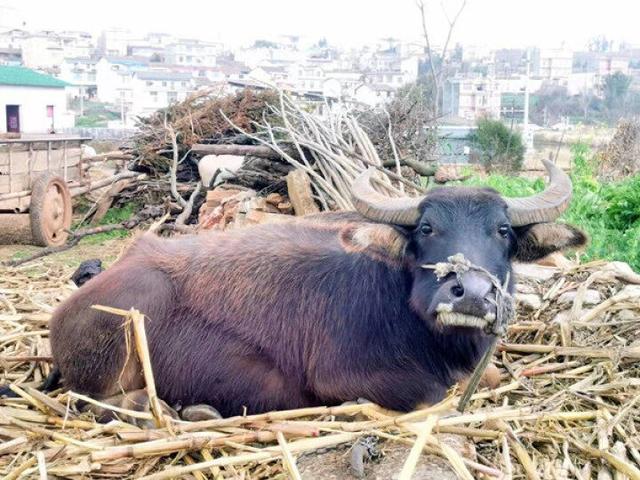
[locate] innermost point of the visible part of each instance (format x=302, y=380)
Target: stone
x=300, y=195
x=627, y=315
x=524, y=288
x=209, y=164
x=286, y=207
x=87, y=151
x=562, y=317
x=218, y=195
x=199, y=413
x=591, y=297
x=275, y=199
x=529, y=300
x=556, y=259
x=534, y=272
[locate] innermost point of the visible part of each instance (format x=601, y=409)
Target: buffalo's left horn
x=545, y=206
x=380, y=208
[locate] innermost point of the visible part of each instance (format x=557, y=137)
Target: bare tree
x=437, y=71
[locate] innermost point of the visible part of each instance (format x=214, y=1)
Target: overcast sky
x=484, y=22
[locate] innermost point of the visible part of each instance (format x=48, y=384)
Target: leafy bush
x=500, y=148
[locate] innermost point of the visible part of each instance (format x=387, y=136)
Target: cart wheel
x=50, y=210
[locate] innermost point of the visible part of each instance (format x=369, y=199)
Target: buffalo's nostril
x=457, y=290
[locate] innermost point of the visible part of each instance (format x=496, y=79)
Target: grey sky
x=489, y=22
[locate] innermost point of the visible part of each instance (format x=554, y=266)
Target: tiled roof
x=24, y=77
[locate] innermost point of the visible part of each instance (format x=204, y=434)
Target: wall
x=33, y=103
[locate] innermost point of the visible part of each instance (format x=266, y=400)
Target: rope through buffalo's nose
x=505, y=312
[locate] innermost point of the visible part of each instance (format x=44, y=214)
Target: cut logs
x=299, y=187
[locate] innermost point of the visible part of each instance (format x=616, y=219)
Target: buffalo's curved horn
x=380, y=208
x=545, y=206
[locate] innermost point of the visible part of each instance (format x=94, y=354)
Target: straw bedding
x=568, y=404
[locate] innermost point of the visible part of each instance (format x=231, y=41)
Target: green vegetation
x=608, y=212
x=114, y=215
x=96, y=114
x=501, y=149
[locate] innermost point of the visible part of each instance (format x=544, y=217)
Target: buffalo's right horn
x=545, y=206
x=380, y=208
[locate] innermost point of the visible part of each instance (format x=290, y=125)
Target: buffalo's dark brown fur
x=270, y=317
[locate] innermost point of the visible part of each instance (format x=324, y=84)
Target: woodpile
x=308, y=158
x=621, y=157
x=566, y=405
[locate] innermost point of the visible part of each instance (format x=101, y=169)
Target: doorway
x=13, y=118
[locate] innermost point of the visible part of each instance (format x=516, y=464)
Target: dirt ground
x=106, y=250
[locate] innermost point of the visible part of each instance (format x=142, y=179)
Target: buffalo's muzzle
x=465, y=301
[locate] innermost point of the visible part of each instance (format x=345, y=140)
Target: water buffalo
x=320, y=311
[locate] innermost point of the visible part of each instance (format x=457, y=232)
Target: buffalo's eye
x=426, y=229
x=503, y=230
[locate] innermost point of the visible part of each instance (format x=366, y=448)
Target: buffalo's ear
x=538, y=240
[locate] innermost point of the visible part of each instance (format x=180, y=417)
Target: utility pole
x=122, y=117
x=526, y=133
x=81, y=101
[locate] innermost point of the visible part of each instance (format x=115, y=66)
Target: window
x=154, y=96
x=184, y=84
x=164, y=84
x=172, y=97
x=149, y=84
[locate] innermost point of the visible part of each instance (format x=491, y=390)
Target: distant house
x=31, y=102
x=81, y=74
x=472, y=98
x=154, y=89
x=11, y=56
x=192, y=52
x=113, y=78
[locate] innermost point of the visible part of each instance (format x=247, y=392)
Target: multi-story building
x=113, y=77
x=43, y=50
x=114, y=42
x=551, y=63
x=154, y=89
x=11, y=56
x=193, y=52
x=77, y=44
x=80, y=74
x=13, y=39
x=472, y=98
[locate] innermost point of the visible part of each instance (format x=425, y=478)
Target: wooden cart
x=37, y=179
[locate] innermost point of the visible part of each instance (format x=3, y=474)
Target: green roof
x=24, y=77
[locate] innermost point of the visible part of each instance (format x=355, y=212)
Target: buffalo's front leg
x=134, y=401
x=400, y=390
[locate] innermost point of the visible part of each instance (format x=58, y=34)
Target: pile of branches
x=566, y=407
x=197, y=119
x=332, y=149
x=275, y=134
x=621, y=157
x=407, y=120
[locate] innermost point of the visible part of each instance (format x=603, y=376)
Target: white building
x=42, y=50
x=113, y=78
x=80, y=74
x=372, y=94
x=193, y=52
x=13, y=38
x=114, y=41
x=552, y=63
x=154, y=89
x=472, y=98
x=31, y=102
x=77, y=44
